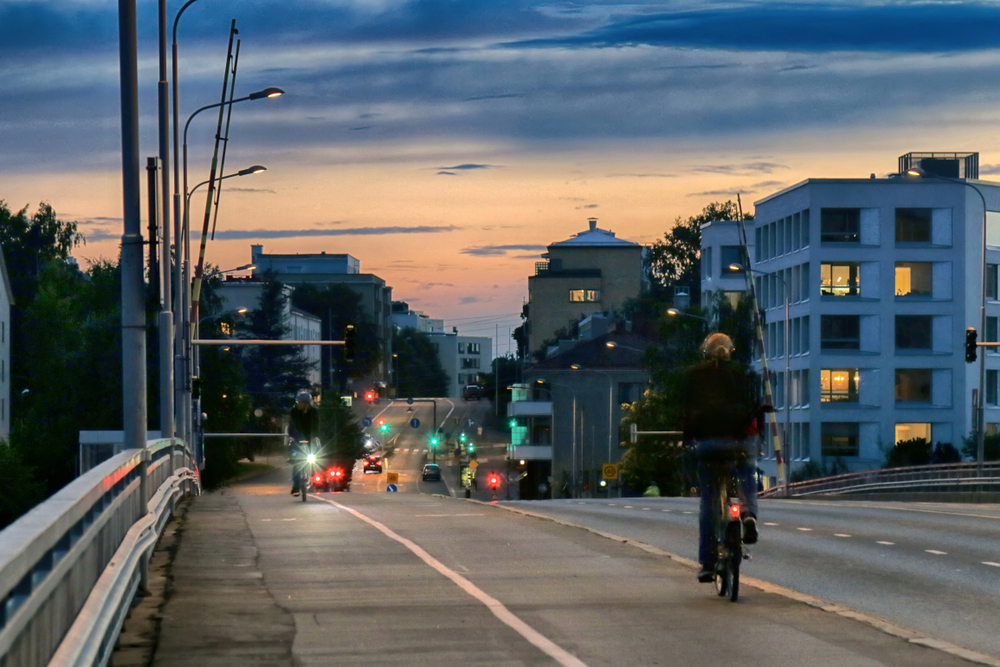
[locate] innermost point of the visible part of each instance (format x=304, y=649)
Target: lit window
x=840, y=279
x=585, y=295
x=906, y=432
x=839, y=385
x=913, y=279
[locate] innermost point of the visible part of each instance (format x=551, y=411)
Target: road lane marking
x=805, y=530
x=449, y=514
x=664, y=510
x=770, y=523
x=644, y=509
x=543, y=643
x=265, y=519
x=841, y=535
x=628, y=507
x=288, y=519
x=687, y=512
x=936, y=553
x=885, y=543
x=991, y=563
x=612, y=504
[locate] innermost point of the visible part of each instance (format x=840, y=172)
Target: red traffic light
x=494, y=481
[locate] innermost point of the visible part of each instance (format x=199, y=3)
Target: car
x=471, y=392
x=373, y=463
x=431, y=472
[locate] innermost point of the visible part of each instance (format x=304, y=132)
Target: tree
x=506, y=368
x=676, y=259
x=21, y=491
x=419, y=371
x=340, y=434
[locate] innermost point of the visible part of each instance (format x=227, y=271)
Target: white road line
x=288, y=519
x=612, y=504
x=546, y=645
x=265, y=519
x=885, y=543
x=628, y=507
x=841, y=535
x=936, y=553
x=687, y=512
x=805, y=530
x=664, y=510
x=644, y=509
x=991, y=563
x=770, y=523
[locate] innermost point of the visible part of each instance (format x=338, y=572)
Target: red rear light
x=318, y=478
x=734, y=511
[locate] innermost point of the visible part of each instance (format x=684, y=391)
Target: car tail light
x=318, y=478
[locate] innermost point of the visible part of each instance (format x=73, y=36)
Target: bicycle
x=731, y=551
x=307, y=464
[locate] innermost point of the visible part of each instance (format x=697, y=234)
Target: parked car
x=431, y=473
x=471, y=392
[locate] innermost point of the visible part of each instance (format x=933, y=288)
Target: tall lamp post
x=787, y=383
x=981, y=402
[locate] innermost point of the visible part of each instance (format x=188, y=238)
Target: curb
x=911, y=636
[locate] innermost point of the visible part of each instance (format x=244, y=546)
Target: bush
x=991, y=446
x=918, y=452
x=815, y=470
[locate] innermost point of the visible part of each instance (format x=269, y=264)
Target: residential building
x=722, y=247
x=322, y=269
x=239, y=294
x=567, y=414
x=591, y=272
x=463, y=358
x=405, y=318
x=6, y=301
x=883, y=276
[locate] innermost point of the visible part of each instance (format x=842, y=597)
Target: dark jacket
x=720, y=401
x=303, y=425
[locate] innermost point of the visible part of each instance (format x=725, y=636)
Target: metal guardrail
x=70, y=567
x=912, y=478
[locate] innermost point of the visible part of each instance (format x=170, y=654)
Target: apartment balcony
x=529, y=409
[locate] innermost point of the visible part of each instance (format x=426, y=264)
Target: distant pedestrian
x=652, y=491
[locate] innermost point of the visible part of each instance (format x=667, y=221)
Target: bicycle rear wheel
x=723, y=577
x=734, y=581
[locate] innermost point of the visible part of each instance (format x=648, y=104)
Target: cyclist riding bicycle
x=303, y=425
x=722, y=420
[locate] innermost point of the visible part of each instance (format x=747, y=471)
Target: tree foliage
x=419, y=371
x=340, y=434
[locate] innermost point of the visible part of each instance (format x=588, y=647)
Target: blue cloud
x=894, y=28
x=498, y=250
x=467, y=167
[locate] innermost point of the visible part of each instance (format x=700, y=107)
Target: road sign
x=367, y=421
x=391, y=488
x=609, y=471
x=473, y=464
x=414, y=422
x=392, y=477
x=470, y=422
x=410, y=400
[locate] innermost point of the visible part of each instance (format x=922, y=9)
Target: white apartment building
x=883, y=276
x=463, y=358
x=6, y=300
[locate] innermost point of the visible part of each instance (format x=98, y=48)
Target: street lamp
x=981, y=403
x=787, y=382
x=674, y=312
x=571, y=391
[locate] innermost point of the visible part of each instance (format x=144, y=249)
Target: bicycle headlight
x=311, y=458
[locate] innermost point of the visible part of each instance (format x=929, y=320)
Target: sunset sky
x=445, y=143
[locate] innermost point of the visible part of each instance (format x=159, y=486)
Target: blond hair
x=717, y=346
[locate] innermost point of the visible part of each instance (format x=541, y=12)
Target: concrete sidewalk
x=262, y=579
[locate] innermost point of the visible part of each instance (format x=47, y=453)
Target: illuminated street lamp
x=674, y=312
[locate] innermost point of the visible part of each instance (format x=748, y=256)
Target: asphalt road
x=931, y=567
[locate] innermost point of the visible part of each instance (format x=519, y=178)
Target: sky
x=445, y=143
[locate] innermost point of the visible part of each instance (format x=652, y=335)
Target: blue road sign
x=470, y=421
x=410, y=400
x=391, y=488
x=367, y=421
x=414, y=422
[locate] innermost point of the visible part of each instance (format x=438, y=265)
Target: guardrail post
x=143, y=511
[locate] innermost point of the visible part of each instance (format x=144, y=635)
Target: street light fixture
x=674, y=312
x=612, y=344
x=787, y=382
x=981, y=403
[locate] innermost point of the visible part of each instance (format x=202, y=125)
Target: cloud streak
x=499, y=250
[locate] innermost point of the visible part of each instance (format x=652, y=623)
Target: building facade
x=592, y=272
x=321, y=270
x=405, y=318
x=883, y=276
x=463, y=358
x=6, y=301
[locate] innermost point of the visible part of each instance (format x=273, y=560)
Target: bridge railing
x=943, y=476
x=55, y=579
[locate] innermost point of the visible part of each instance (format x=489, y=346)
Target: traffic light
x=462, y=437
x=370, y=396
x=350, y=342
x=513, y=423
x=471, y=448
x=382, y=426
x=970, y=345
x=434, y=442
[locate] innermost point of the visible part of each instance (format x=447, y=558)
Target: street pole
x=165, y=324
x=788, y=407
x=133, y=310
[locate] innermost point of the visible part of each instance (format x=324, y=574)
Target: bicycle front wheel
x=734, y=581
x=723, y=578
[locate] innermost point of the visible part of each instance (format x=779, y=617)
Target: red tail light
x=318, y=478
x=734, y=511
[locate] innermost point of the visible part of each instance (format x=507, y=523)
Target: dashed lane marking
x=628, y=507
x=889, y=544
x=770, y=523
x=841, y=535
x=805, y=530
x=644, y=509
x=936, y=553
x=687, y=512
x=664, y=510
x=991, y=563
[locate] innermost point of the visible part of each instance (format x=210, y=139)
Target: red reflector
x=734, y=511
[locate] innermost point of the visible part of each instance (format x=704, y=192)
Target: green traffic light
x=384, y=428
x=513, y=423
x=434, y=441
x=462, y=437
x=471, y=447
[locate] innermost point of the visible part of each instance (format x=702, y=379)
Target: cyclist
x=720, y=417
x=303, y=424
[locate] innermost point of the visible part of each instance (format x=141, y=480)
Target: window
x=912, y=431
x=913, y=385
x=730, y=254
x=840, y=279
x=840, y=332
x=461, y=348
x=839, y=439
x=991, y=281
x=840, y=225
x=990, y=335
x=470, y=363
x=706, y=263
x=473, y=348
x=913, y=278
x=913, y=332
x=585, y=295
x=913, y=225
x=991, y=387
x=838, y=385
